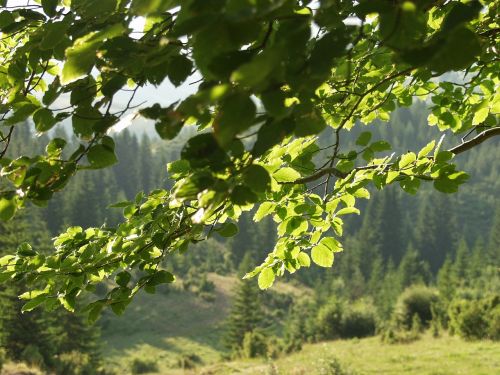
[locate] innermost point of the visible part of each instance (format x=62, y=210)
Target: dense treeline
x=442, y=244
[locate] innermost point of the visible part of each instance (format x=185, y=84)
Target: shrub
x=188, y=361
x=254, y=344
x=332, y=366
x=475, y=319
x=358, y=320
x=275, y=347
x=143, y=366
x=415, y=300
x=74, y=363
x=329, y=320
x=3, y=358
x=395, y=335
x=32, y=356
x=336, y=320
x=494, y=323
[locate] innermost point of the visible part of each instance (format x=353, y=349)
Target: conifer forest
x=249, y=187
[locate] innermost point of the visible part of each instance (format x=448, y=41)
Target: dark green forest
x=408, y=263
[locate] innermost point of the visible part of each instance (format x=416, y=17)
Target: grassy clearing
x=163, y=327
x=428, y=356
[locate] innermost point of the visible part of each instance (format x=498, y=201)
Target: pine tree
x=445, y=279
x=20, y=330
x=246, y=314
x=435, y=230
x=461, y=264
x=494, y=240
x=412, y=269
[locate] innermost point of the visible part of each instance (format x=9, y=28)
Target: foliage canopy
x=275, y=74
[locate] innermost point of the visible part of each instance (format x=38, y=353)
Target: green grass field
x=427, y=356
x=165, y=327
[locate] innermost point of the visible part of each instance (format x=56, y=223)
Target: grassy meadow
x=165, y=327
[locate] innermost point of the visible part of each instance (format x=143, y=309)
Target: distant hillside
x=172, y=323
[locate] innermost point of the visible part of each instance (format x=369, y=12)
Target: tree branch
x=465, y=146
x=478, y=139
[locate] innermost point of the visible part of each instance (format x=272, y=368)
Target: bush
x=358, y=320
x=475, y=319
x=74, y=363
x=188, y=361
x=332, y=366
x=254, y=344
x=336, y=320
x=3, y=358
x=275, y=347
x=329, y=320
x=415, y=300
x=32, y=356
x=143, y=366
x=395, y=335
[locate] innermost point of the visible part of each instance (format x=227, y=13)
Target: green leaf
x=310, y=123
x=480, y=115
x=123, y=278
x=178, y=166
x=55, y=33
x=266, y=278
x=161, y=277
x=322, y=255
x=112, y=85
x=44, y=119
x=49, y=7
x=410, y=184
x=257, y=178
x=443, y=156
x=406, y=160
x=391, y=176
x=304, y=259
x=179, y=69
x=169, y=127
x=101, y=156
x=264, y=209
x=237, y=113
x=202, y=151
x=228, y=230
x=347, y=210
x=458, y=50
x=241, y=196
x=364, y=138
x=37, y=301
x=8, y=208
x=380, y=146
x=25, y=250
x=331, y=243
x=286, y=175
x=22, y=111
x=256, y=71
x=80, y=58
x=94, y=310
x=428, y=148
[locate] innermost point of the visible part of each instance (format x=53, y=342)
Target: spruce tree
x=412, y=269
x=461, y=264
x=494, y=240
x=246, y=314
x=435, y=231
x=445, y=279
x=19, y=330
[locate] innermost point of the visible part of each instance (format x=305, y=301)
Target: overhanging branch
x=465, y=146
x=478, y=139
